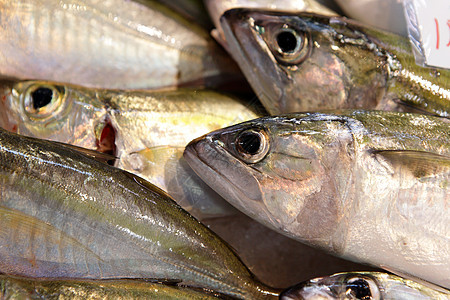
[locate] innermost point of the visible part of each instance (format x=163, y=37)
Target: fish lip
x=235, y=23
x=198, y=154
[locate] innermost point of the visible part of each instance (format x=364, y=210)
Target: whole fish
x=372, y=187
x=363, y=285
x=304, y=62
x=146, y=131
x=26, y=288
x=66, y=215
x=108, y=44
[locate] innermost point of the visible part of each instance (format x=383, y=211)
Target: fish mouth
x=311, y=289
x=229, y=177
x=255, y=59
x=106, y=140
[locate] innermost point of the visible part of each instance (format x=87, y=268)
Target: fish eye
x=361, y=288
x=252, y=145
x=289, y=45
x=41, y=101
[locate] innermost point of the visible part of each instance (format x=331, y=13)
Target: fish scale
x=368, y=186
x=110, y=224
x=138, y=46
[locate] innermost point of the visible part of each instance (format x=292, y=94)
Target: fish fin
x=100, y=156
x=419, y=163
x=408, y=107
x=18, y=227
x=416, y=279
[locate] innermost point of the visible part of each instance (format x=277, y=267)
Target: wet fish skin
x=330, y=63
x=114, y=121
x=26, y=288
x=362, y=285
x=139, y=46
x=65, y=215
x=366, y=186
x=217, y=8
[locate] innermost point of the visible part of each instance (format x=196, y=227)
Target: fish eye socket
x=252, y=145
x=361, y=288
x=41, y=101
x=289, y=45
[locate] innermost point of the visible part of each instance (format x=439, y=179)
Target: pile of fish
x=139, y=159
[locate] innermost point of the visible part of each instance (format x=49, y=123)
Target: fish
x=66, y=215
x=298, y=62
x=26, y=288
x=368, y=186
x=217, y=8
x=146, y=131
x=363, y=285
x=109, y=44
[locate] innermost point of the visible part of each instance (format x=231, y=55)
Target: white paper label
x=433, y=17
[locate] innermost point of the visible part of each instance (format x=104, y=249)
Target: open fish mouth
x=106, y=140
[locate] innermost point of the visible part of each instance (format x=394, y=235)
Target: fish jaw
x=226, y=175
x=251, y=53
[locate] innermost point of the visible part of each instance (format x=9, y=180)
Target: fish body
x=371, y=187
x=26, y=288
x=66, y=215
x=305, y=62
x=107, y=44
x=363, y=285
x=146, y=131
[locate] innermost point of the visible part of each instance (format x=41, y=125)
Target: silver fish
x=305, y=62
x=35, y=289
x=217, y=8
x=371, y=187
x=107, y=44
x=363, y=285
x=146, y=131
x=66, y=215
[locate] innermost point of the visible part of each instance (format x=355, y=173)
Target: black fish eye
x=359, y=288
x=42, y=100
x=41, y=97
x=251, y=145
x=287, y=40
x=289, y=44
x=249, y=142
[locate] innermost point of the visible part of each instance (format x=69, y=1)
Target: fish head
x=51, y=111
x=301, y=62
x=286, y=172
x=337, y=286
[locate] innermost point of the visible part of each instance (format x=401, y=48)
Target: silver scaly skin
x=146, y=131
x=363, y=285
x=66, y=215
x=304, y=62
x=372, y=187
x=12, y=287
x=108, y=44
